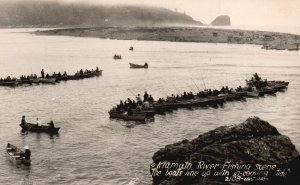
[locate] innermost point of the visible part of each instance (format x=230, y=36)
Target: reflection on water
x=91, y=148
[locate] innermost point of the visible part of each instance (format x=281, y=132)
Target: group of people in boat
x=257, y=82
x=8, y=79
x=47, y=75
x=137, y=104
x=140, y=103
x=81, y=72
x=27, y=152
x=38, y=123
x=117, y=56
x=54, y=75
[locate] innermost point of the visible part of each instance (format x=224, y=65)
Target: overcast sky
x=242, y=12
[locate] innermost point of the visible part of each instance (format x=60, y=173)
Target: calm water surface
x=91, y=148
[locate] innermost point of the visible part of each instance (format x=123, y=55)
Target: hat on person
x=26, y=147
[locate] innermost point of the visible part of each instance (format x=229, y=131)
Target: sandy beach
x=268, y=40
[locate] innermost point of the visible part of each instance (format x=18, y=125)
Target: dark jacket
x=26, y=154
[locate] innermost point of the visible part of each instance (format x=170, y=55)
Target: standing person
x=146, y=96
x=23, y=121
x=42, y=73
x=38, y=122
x=138, y=98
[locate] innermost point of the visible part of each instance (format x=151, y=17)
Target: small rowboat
x=138, y=66
x=91, y=74
x=39, y=128
x=47, y=80
x=14, y=153
x=10, y=83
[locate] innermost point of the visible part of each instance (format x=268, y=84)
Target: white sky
x=241, y=12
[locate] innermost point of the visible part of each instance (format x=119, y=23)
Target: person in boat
x=134, y=104
x=239, y=88
x=139, y=107
x=138, y=98
x=54, y=75
x=150, y=99
x=65, y=73
x=146, y=96
x=97, y=69
x=59, y=75
x=47, y=75
x=121, y=104
x=42, y=73
x=23, y=121
x=129, y=101
x=146, y=64
x=81, y=72
x=129, y=112
x=26, y=154
x=8, y=78
x=184, y=96
x=38, y=122
x=51, y=124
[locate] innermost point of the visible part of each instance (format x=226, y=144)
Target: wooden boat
x=117, y=57
x=126, y=117
x=47, y=80
x=91, y=74
x=68, y=77
x=35, y=80
x=30, y=81
x=13, y=154
x=138, y=66
x=253, y=94
x=39, y=128
x=9, y=83
x=264, y=91
x=131, y=48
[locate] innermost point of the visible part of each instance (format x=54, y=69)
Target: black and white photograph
x=152, y=92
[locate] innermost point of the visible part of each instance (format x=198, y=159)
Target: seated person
x=26, y=154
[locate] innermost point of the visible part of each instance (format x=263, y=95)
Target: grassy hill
x=53, y=13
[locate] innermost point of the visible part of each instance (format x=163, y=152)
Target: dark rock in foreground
x=222, y=20
x=253, y=152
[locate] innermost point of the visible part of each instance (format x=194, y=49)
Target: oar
x=195, y=84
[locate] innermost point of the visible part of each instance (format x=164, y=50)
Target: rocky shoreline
x=268, y=40
x=253, y=152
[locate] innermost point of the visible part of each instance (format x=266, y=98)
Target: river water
x=91, y=148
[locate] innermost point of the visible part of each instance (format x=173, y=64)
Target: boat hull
x=13, y=154
x=35, y=128
x=137, y=66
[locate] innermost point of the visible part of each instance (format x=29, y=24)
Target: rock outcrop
x=222, y=20
x=249, y=146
